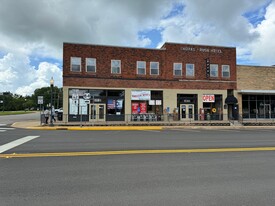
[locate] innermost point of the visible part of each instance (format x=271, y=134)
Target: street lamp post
x=51, y=83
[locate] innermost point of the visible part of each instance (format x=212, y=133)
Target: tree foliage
x=15, y=102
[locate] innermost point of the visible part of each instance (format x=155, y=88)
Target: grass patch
x=15, y=112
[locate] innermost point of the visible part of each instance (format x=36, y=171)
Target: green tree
x=46, y=93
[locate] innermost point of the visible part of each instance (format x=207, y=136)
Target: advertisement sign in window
x=140, y=95
x=208, y=98
x=158, y=102
x=135, y=108
x=143, y=107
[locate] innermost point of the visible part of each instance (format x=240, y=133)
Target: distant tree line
x=15, y=102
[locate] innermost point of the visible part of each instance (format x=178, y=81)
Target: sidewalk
x=35, y=125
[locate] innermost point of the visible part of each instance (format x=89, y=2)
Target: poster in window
x=143, y=107
x=158, y=102
x=73, y=107
x=119, y=103
x=83, y=108
x=111, y=104
x=135, y=107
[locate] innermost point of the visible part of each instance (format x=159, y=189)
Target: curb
x=129, y=128
x=99, y=128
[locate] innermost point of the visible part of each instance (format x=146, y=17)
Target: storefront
x=96, y=105
x=212, y=107
x=258, y=106
x=146, y=105
x=188, y=107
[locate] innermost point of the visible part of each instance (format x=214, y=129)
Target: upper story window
x=116, y=66
x=226, y=71
x=190, y=70
x=141, y=67
x=75, y=64
x=214, y=71
x=177, y=67
x=154, y=68
x=91, y=65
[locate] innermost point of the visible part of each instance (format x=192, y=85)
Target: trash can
x=60, y=116
x=42, y=119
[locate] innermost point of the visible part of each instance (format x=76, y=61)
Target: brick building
x=256, y=91
x=182, y=81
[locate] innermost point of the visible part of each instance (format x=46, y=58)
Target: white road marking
x=16, y=143
x=2, y=124
x=6, y=128
x=3, y=130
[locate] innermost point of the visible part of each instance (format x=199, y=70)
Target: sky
x=32, y=32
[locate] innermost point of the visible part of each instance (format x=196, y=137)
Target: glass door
x=187, y=112
x=97, y=112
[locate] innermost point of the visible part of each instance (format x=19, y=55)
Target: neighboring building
x=256, y=91
x=182, y=81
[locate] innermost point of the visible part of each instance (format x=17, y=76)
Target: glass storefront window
x=115, y=106
x=258, y=106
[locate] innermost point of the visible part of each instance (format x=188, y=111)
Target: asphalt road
x=214, y=178
x=10, y=119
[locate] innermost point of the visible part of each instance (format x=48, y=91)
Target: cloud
x=45, y=24
x=17, y=75
x=32, y=29
x=263, y=48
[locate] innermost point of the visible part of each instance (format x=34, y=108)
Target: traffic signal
x=207, y=62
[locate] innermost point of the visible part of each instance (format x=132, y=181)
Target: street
x=203, y=178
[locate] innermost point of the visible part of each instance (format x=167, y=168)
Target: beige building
x=256, y=91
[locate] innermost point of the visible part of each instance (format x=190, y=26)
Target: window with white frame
x=91, y=65
x=177, y=67
x=226, y=71
x=141, y=67
x=154, y=68
x=214, y=71
x=75, y=64
x=190, y=70
x=116, y=66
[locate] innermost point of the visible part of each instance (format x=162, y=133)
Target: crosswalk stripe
x=3, y=130
x=16, y=143
x=6, y=128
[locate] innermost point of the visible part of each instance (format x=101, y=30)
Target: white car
x=58, y=110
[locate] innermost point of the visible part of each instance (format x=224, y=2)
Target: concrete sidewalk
x=35, y=125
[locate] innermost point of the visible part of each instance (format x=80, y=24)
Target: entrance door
x=97, y=112
x=187, y=112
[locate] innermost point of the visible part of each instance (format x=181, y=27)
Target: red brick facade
x=167, y=55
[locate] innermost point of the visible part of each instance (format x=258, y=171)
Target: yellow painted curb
x=98, y=128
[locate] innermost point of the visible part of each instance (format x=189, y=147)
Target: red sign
x=143, y=107
x=135, y=108
x=139, y=108
x=208, y=98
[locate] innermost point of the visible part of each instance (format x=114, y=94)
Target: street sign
x=40, y=99
x=87, y=96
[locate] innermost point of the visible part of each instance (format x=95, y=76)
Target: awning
x=231, y=100
x=256, y=91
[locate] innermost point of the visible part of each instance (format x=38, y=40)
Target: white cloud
x=263, y=49
x=37, y=29
x=17, y=75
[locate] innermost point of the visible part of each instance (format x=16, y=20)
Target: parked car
x=60, y=110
